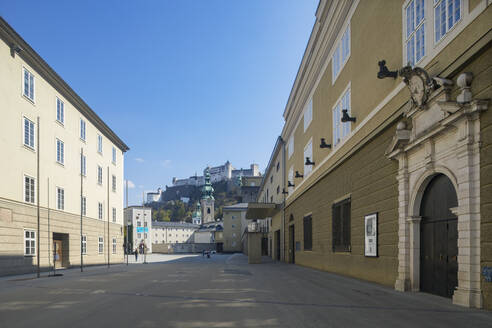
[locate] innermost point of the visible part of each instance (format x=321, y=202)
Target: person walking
x=136, y=254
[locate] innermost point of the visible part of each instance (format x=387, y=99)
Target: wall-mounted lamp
x=290, y=184
x=298, y=175
x=385, y=72
x=308, y=161
x=284, y=192
x=14, y=48
x=324, y=144
x=346, y=117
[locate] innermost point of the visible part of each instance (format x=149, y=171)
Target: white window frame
x=113, y=183
x=60, y=198
x=99, y=144
x=31, y=92
x=308, y=152
x=340, y=57
x=31, y=133
x=417, y=26
x=60, y=151
x=30, y=249
x=341, y=131
x=308, y=114
x=113, y=155
x=32, y=193
x=100, y=245
x=99, y=175
x=60, y=111
x=114, y=245
x=448, y=28
x=100, y=211
x=290, y=147
x=83, y=205
x=114, y=214
x=83, y=165
x=83, y=130
x=83, y=245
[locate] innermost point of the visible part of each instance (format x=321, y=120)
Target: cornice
x=33, y=59
x=276, y=149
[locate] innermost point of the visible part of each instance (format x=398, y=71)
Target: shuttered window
x=308, y=233
x=341, y=226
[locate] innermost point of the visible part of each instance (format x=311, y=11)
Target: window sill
x=61, y=164
x=25, y=255
x=32, y=101
x=83, y=140
x=60, y=123
x=29, y=148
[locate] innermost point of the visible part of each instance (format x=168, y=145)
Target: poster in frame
x=371, y=235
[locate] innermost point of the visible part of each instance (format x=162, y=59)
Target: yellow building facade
x=387, y=142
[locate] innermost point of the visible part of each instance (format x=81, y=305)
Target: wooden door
x=277, y=244
x=292, y=245
x=57, y=253
x=439, y=238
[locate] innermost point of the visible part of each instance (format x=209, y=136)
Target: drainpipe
x=282, y=254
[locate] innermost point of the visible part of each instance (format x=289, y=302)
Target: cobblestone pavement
x=184, y=291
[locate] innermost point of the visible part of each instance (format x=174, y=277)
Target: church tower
x=207, y=201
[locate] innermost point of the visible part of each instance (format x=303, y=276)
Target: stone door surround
x=438, y=135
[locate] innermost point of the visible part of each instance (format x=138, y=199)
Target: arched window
x=208, y=210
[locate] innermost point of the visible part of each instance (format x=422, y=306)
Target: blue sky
x=184, y=83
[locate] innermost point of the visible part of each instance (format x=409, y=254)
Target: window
x=291, y=179
x=84, y=244
x=83, y=165
x=145, y=236
x=114, y=155
x=82, y=129
x=233, y=217
x=60, y=111
x=60, y=198
x=99, y=175
x=145, y=224
x=30, y=242
x=101, y=245
x=341, y=129
x=340, y=54
x=114, y=182
x=100, y=210
x=233, y=243
x=234, y=235
x=28, y=133
x=341, y=226
x=60, y=151
x=308, y=114
x=271, y=179
x=233, y=226
x=84, y=206
x=139, y=224
x=308, y=233
x=290, y=146
x=99, y=144
x=28, y=91
x=139, y=235
x=446, y=14
x=278, y=167
x=415, y=31
x=278, y=190
x=29, y=189
x=114, y=214
x=308, y=152
x=114, y=245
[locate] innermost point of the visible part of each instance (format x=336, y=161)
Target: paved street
x=224, y=291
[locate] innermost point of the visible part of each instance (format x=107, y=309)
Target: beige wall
x=232, y=235
x=19, y=160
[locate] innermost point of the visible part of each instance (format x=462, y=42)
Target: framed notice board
x=371, y=235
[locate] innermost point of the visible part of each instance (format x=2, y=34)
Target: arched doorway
x=439, y=238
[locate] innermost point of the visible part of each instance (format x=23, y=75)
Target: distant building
x=138, y=220
x=154, y=196
x=197, y=215
x=235, y=226
x=173, y=232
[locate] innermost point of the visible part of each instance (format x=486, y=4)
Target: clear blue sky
x=184, y=83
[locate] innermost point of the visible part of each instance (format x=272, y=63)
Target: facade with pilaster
x=388, y=147
x=78, y=183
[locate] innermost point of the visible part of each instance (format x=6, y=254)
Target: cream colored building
x=173, y=232
x=234, y=227
x=138, y=221
x=41, y=116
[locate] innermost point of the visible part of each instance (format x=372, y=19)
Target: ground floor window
x=308, y=233
x=114, y=245
x=101, y=245
x=84, y=244
x=341, y=226
x=30, y=242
